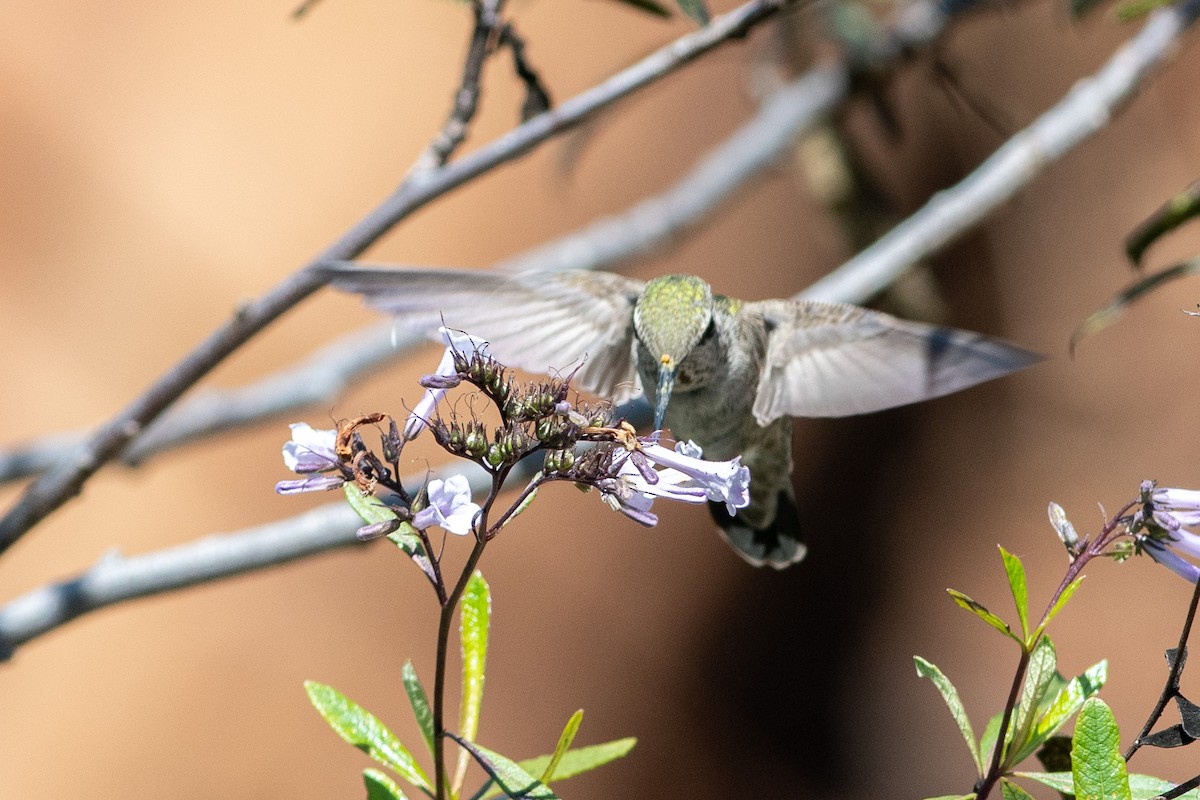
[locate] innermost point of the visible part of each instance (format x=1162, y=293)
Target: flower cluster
x=579, y=442
x=1160, y=526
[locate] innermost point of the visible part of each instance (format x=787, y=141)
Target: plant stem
x=985, y=784
x=439, y=679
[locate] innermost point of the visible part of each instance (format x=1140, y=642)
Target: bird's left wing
x=834, y=360
x=543, y=322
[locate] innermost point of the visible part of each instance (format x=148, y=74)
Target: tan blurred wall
x=158, y=163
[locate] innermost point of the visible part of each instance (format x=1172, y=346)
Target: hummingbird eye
x=710, y=331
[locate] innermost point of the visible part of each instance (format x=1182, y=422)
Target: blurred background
x=162, y=162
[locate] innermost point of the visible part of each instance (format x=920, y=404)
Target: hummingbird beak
x=666, y=382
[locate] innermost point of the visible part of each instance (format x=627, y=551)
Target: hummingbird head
x=670, y=318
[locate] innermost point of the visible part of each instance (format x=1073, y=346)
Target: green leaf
x=987, y=742
x=1010, y=791
x=1166, y=218
x=1020, y=592
x=1038, y=676
x=381, y=787
x=475, y=614
x=513, y=780
x=371, y=510
x=1142, y=787
x=420, y=703
x=925, y=669
x=980, y=611
x=1062, y=782
x=953, y=797
x=1063, y=597
x=696, y=9
x=362, y=729
x=1070, y=698
x=648, y=6
x=1096, y=762
x=1136, y=9
x=576, y=762
x=564, y=744
x=1101, y=319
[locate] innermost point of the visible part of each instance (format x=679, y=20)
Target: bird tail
x=776, y=544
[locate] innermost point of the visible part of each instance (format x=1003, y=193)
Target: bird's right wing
x=542, y=322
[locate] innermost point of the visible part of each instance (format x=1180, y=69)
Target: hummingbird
x=726, y=373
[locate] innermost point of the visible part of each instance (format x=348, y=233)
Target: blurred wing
x=833, y=360
x=542, y=322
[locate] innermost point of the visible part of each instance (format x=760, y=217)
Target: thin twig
x=1171, y=687
x=116, y=578
x=66, y=479
x=537, y=96
x=466, y=100
x=1086, y=109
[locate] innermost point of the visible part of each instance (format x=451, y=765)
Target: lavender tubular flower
x=310, y=452
x=686, y=478
x=1163, y=518
x=463, y=344
x=725, y=482
x=1181, y=567
x=450, y=506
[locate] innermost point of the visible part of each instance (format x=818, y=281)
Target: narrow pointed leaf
x=1063, y=782
x=1070, y=698
x=1066, y=594
x=1020, y=592
x=979, y=610
x=1096, y=762
x=696, y=9
x=648, y=6
x=420, y=703
x=987, y=742
x=1038, y=675
x=1167, y=738
x=575, y=762
x=953, y=797
x=564, y=744
x=475, y=614
x=949, y=694
x=1167, y=217
x=509, y=776
x=381, y=787
x=362, y=729
x=1010, y=791
x=1190, y=713
x=1102, y=318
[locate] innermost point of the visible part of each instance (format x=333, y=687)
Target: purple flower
x=450, y=506
x=456, y=342
x=725, y=482
x=309, y=453
x=686, y=477
x=1164, y=515
x=1181, y=567
x=310, y=450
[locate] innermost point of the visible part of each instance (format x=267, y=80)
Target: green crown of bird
x=727, y=374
